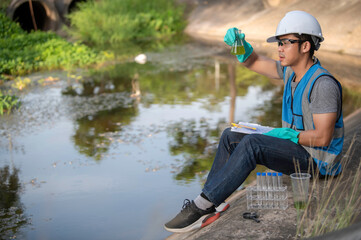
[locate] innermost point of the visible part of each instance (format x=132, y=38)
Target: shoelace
x=186, y=204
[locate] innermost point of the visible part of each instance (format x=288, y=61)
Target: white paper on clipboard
x=259, y=129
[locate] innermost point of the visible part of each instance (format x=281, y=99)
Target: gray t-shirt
x=325, y=96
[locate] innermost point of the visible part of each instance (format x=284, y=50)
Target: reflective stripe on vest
x=297, y=115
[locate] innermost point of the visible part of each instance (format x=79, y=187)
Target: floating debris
x=141, y=58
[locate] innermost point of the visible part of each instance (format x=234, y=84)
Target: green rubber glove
x=284, y=133
x=229, y=39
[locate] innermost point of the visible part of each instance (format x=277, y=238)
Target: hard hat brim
x=272, y=39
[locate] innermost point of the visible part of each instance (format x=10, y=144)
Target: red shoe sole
x=213, y=217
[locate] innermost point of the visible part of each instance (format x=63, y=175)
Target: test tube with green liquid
x=238, y=46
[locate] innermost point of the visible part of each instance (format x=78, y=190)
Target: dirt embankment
x=258, y=19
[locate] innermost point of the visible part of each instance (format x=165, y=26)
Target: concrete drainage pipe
x=45, y=14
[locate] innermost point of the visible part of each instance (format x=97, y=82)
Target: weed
x=333, y=203
x=20, y=83
x=8, y=103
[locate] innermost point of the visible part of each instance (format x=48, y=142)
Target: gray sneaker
x=191, y=217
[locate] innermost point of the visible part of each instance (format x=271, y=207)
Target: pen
x=242, y=126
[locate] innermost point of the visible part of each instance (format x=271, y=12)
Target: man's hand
x=229, y=39
x=284, y=133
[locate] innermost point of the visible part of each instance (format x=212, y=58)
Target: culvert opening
x=23, y=16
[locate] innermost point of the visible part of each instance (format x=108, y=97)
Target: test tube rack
x=267, y=198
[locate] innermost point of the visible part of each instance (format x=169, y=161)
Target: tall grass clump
x=22, y=53
x=333, y=204
x=115, y=21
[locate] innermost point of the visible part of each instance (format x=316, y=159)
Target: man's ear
x=306, y=47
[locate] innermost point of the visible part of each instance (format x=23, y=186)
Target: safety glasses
x=288, y=42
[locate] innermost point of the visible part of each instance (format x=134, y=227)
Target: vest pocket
x=298, y=122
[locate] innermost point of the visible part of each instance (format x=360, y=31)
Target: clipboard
x=250, y=128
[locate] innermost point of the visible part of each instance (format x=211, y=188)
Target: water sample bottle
x=264, y=181
x=238, y=46
x=274, y=181
x=280, y=183
x=275, y=190
x=269, y=181
x=269, y=190
x=259, y=190
x=264, y=190
x=259, y=181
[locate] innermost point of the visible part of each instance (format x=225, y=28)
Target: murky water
x=112, y=153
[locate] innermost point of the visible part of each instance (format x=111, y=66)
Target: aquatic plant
x=21, y=83
x=8, y=102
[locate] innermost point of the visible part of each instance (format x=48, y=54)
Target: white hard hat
x=299, y=22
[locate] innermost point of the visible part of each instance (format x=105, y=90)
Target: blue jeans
x=238, y=154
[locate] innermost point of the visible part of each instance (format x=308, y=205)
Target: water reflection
x=111, y=79
x=197, y=144
x=270, y=113
x=92, y=132
x=12, y=216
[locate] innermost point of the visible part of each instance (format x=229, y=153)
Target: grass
x=333, y=203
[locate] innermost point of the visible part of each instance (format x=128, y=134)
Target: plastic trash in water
x=141, y=58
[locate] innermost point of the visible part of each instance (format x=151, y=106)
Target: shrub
x=22, y=53
x=115, y=21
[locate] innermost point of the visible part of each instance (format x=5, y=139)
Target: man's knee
x=231, y=136
x=226, y=135
x=226, y=132
x=252, y=139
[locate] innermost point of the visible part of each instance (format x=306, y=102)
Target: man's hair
x=306, y=38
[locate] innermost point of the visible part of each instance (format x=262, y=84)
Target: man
x=312, y=123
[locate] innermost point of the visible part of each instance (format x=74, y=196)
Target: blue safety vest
x=296, y=114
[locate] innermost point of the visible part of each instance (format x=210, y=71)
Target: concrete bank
x=340, y=53
x=258, y=19
x=279, y=224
